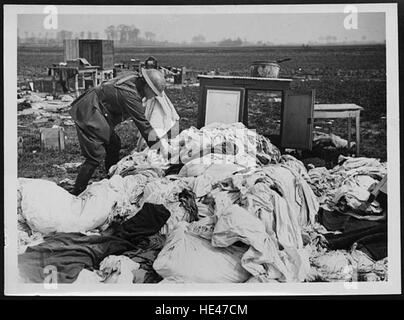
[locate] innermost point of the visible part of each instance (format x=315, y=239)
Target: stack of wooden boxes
x=98, y=53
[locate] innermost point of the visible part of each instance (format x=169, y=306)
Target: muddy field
x=339, y=75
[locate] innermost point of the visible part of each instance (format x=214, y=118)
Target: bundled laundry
x=355, y=222
x=232, y=210
x=347, y=185
x=215, y=143
x=230, y=139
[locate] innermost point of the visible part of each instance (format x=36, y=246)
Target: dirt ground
x=335, y=67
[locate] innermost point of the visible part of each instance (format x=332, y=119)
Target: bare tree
x=123, y=33
x=198, y=39
x=133, y=34
x=150, y=36
x=111, y=32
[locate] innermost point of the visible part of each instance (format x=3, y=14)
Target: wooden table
x=246, y=83
x=345, y=110
x=90, y=72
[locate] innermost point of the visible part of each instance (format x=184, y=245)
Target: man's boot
x=85, y=174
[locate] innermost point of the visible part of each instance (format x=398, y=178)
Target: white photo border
x=13, y=287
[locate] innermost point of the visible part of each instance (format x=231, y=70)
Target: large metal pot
x=266, y=69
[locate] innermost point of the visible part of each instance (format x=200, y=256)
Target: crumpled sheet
x=291, y=162
x=330, y=140
x=332, y=266
x=296, y=192
x=215, y=165
x=113, y=269
x=372, y=271
x=146, y=159
x=275, y=213
x=273, y=194
x=26, y=237
x=264, y=259
x=346, y=186
x=118, y=269
x=347, y=266
x=297, y=198
x=130, y=201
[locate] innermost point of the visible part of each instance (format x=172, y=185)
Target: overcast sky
x=275, y=28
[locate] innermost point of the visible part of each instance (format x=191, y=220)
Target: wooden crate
x=52, y=139
x=97, y=52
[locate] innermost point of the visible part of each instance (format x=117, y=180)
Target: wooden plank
x=334, y=114
x=262, y=86
x=337, y=107
x=244, y=78
x=248, y=83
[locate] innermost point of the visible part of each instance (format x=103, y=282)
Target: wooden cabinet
x=241, y=84
x=296, y=106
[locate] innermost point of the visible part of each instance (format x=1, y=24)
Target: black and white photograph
x=201, y=150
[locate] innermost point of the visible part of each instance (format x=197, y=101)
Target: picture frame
x=222, y=104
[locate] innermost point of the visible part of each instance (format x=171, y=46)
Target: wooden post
x=245, y=115
x=94, y=79
x=358, y=133
x=201, y=113
x=349, y=133
x=183, y=73
x=76, y=84
x=53, y=87
x=283, y=104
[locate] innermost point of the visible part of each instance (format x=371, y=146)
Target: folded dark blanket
x=62, y=256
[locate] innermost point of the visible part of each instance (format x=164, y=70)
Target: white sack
x=193, y=259
x=49, y=208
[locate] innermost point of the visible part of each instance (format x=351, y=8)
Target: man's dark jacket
x=100, y=109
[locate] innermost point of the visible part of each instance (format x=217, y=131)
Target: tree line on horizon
x=128, y=35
